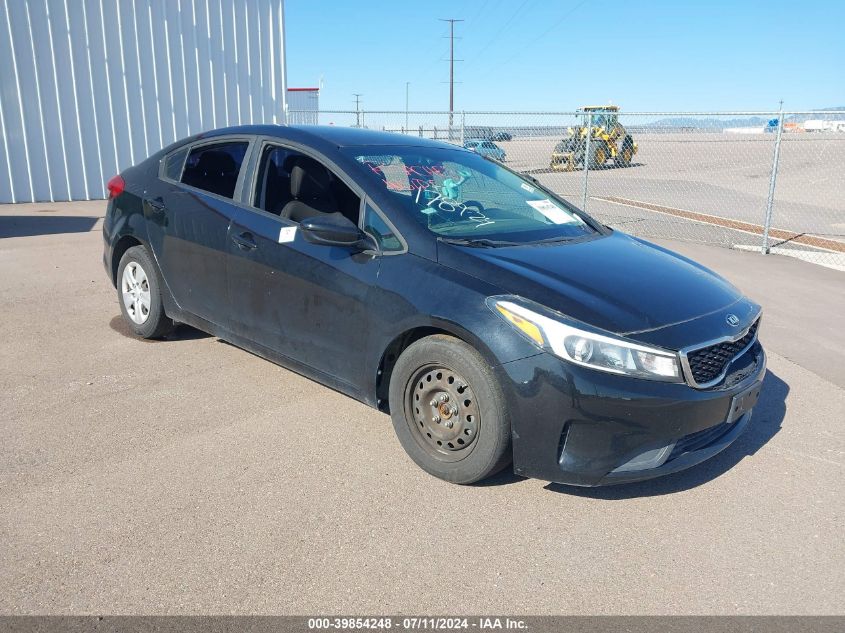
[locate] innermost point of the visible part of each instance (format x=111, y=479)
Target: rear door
x=307, y=302
x=190, y=221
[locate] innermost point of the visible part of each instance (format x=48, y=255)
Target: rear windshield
x=459, y=194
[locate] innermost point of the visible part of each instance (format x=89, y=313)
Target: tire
x=625, y=155
x=139, y=295
x=478, y=444
x=598, y=155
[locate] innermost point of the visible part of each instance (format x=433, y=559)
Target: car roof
x=333, y=135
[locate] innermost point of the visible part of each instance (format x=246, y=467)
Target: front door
x=304, y=301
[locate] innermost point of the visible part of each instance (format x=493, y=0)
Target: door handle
x=245, y=241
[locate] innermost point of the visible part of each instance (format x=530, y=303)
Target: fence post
x=771, y=198
x=463, y=122
x=586, y=160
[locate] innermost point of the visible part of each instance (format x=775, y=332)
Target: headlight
x=583, y=347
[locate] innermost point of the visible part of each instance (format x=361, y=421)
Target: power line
x=501, y=30
x=480, y=10
x=486, y=13
x=544, y=33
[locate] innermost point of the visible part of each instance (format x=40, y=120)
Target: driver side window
x=295, y=186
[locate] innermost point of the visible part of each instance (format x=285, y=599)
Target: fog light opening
x=645, y=461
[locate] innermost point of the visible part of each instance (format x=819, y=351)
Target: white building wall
x=303, y=106
x=90, y=87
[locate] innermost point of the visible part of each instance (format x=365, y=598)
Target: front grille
x=708, y=363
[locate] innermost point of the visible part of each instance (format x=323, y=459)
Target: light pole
x=407, y=85
x=357, y=96
x=452, y=60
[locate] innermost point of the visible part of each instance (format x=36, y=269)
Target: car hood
x=614, y=282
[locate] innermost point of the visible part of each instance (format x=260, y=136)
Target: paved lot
x=188, y=476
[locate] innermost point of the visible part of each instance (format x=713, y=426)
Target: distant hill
x=709, y=123
x=753, y=121
x=825, y=117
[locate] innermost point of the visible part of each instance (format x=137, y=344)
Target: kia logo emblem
x=732, y=319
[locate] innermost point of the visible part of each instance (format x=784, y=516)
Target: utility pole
x=407, y=85
x=451, y=22
x=357, y=96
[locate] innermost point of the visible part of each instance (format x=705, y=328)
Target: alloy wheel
x=135, y=290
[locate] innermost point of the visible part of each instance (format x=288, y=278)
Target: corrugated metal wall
x=90, y=87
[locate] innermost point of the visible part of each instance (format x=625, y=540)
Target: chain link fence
x=761, y=181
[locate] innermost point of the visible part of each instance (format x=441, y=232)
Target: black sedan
x=491, y=319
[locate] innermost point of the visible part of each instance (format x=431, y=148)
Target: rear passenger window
x=214, y=168
x=173, y=163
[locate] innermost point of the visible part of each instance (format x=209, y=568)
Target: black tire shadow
x=31, y=225
x=182, y=332
x=765, y=423
x=502, y=478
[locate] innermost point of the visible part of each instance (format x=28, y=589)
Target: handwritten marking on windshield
x=453, y=206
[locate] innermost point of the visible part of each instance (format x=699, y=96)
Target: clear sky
x=561, y=54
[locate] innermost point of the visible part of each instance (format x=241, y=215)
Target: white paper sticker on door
x=553, y=212
x=287, y=234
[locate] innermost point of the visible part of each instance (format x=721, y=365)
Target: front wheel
x=448, y=410
x=140, y=296
x=599, y=156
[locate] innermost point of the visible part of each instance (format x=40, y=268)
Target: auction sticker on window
x=553, y=212
x=287, y=234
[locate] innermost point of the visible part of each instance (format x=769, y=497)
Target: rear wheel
x=139, y=294
x=448, y=410
x=624, y=157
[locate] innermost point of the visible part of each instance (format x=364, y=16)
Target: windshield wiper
x=476, y=243
x=550, y=240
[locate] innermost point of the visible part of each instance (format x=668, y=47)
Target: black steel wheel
x=442, y=412
x=448, y=410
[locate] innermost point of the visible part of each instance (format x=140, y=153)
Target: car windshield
x=459, y=194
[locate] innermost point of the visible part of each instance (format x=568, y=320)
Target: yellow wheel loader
x=608, y=141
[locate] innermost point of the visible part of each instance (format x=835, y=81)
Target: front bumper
x=583, y=427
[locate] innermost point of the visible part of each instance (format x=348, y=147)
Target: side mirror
x=332, y=229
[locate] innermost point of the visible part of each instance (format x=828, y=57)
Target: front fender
x=440, y=299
